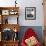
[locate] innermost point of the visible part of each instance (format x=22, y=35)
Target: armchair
x=30, y=38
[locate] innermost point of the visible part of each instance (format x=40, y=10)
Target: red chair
x=29, y=33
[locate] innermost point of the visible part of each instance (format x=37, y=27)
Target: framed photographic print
x=5, y=12
x=30, y=13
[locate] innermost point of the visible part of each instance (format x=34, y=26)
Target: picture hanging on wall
x=30, y=13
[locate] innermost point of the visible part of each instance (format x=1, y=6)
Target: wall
x=39, y=12
x=27, y=3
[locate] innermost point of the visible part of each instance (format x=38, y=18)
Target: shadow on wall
x=37, y=29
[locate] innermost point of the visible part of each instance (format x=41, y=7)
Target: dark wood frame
x=27, y=18
x=11, y=26
x=15, y=9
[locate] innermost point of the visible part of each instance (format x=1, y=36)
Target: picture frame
x=30, y=13
x=13, y=12
x=5, y=12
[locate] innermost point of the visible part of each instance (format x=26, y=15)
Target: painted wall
x=26, y=3
x=39, y=12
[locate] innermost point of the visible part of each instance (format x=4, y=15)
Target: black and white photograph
x=30, y=13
